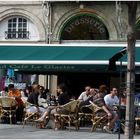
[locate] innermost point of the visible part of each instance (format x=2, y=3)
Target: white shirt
x=109, y=101
x=83, y=96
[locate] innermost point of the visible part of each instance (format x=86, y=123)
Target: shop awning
x=57, y=57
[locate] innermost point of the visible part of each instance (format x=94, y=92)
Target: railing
x=17, y=34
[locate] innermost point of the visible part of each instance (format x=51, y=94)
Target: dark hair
x=10, y=86
x=63, y=87
x=102, y=88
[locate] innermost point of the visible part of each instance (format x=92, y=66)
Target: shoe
x=39, y=120
x=42, y=124
x=115, y=130
x=106, y=129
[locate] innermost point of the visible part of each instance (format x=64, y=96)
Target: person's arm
x=106, y=110
x=107, y=103
x=80, y=97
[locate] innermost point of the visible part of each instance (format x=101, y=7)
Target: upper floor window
x=84, y=27
x=17, y=29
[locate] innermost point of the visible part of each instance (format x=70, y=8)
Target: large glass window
x=84, y=27
x=17, y=29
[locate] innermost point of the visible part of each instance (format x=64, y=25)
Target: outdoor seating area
x=71, y=120
x=73, y=115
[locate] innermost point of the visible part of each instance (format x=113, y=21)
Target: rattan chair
x=29, y=116
x=99, y=117
x=85, y=115
x=8, y=107
x=70, y=117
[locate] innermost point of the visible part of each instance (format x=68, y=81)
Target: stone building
x=74, y=23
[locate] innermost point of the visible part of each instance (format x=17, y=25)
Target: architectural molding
x=67, y=16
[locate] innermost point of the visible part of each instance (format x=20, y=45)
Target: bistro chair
x=99, y=117
x=85, y=115
x=29, y=116
x=8, y=107
x=94, y=116
x=69, y=118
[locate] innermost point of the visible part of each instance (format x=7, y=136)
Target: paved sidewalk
x=31, y=132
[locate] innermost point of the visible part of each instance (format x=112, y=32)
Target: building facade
x=65, y=22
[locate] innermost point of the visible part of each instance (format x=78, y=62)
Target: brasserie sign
x=92, y=21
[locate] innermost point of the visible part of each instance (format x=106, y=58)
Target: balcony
x=17, y=34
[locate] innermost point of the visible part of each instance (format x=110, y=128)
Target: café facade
x=65, y=41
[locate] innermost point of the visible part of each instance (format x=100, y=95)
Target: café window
x=17, y=29
x=84, y=27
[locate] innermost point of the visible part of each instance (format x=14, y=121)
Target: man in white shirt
x=110, y=100
x=85, y=95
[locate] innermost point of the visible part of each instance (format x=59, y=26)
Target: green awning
x=49, y=53
x=57, y=57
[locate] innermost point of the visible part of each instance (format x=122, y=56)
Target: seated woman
x=33, y=99
x=63, y=98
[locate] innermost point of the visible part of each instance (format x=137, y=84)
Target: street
x=31, y=132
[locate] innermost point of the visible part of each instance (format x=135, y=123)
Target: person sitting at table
x=13, y=92
x=82, y=105
x=110, y=100
x=85, y=94
x=63, y=98
x=33, y=99
x=98, y=99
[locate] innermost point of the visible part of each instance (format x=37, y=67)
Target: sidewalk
x=31, y=132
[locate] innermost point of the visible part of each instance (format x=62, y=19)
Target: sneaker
x=106, y=129
x=115, y=130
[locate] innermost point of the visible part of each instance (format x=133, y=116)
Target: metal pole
x=120, y=91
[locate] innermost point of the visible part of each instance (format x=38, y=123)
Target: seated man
x=110, y=100
x=93, y=92
x=97, y=99
x=85, y=95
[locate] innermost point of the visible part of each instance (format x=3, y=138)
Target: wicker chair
x=99, y=117
x=29, y=116
x=85, y=114
x=70, y=117
x=8, y=107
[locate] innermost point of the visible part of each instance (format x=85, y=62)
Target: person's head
x=42, y=88
x=10, y=86
x=36, y=88
x=114, y=91
x=93, y=91
x=87, y=90
x=103, y=89
x=61, y=88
